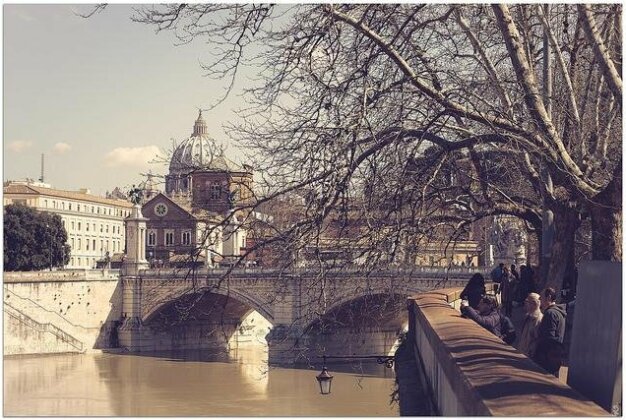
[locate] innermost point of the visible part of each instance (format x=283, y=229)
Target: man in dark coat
x=487, y=315
x=549, y=352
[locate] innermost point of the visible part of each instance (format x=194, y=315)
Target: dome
x=199, y=151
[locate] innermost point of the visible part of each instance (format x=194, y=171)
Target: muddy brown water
x=189, y=384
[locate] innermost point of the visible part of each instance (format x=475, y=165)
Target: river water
x=189, y=384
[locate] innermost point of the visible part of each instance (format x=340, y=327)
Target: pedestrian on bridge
x=487, y=314
x=474, y=290
x=530, y=329
x=506, y=294
x=550, y=351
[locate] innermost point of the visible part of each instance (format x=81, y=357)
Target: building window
x=216, y=191
x=63, y=221
x=93, y=210
x=101, y=228
x=73, y=247
x=45, y=203
x=79, y=226
x=151, y=238
x=94, y=244
x=69, y=206
x=79, y=261
x=87, y=244
x=243, y=241
x=169, y=237
x=101, y=245
x=186, y=238
x=72, y=225
x=87, y=226
x=107, y=228
x=77, y=207
x=94, y=226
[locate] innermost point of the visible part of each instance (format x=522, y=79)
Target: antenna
x=41, y=178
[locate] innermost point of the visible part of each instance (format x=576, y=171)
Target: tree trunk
x=606, y=221
x=562, y=259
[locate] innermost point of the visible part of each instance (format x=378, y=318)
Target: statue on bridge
x=135, y=195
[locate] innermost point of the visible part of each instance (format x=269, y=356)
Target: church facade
x=199, y=219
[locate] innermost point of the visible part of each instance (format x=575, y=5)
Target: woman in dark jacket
x=487, y=315
x=474, y=290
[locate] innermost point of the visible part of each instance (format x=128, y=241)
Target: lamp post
x=325, y=378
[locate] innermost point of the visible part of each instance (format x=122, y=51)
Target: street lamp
x=325, y=379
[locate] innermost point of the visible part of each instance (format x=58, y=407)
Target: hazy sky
x=99, y=96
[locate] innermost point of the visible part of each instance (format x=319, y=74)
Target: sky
x=100, y=97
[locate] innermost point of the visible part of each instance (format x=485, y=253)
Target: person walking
x=506, y=294
x=549, y=353
x=514, y=280
x=530, y=328
x=474, y=290
x=524, y=284
x=496, y=276
x=487, y=314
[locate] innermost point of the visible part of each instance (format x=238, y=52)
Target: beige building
x=94, y=225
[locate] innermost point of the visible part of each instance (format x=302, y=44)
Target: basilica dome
x=197, y=152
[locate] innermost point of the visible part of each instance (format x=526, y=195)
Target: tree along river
x=189, y=383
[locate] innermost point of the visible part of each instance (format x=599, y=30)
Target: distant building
x=94, y=225
x=196, y=219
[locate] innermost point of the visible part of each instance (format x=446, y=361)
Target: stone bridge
x=342, y=311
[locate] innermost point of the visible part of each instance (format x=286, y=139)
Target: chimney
x=41, y=178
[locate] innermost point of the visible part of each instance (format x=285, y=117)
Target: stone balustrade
x=59, y=275
x=469, y=372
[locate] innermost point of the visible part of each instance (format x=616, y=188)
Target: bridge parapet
x=414, y=271
x=470, y=372
x=59, y=275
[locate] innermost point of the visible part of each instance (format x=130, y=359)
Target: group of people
x=514, y=286
x=543, y=330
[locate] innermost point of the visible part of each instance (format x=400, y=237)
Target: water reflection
x=190, y=383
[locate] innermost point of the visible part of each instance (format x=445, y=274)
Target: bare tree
x=343, y=87
x=381, y=128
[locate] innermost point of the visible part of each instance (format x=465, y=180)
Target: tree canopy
x=348, y=95
x=33, y=240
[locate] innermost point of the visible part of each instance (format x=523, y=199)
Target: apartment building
x=94, y=225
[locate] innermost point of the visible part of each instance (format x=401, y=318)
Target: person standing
x=506, y=295
x=524, y=283
x=530, y=329
x=514, y=280
x=487, y=314
x=496, y=276
x=474, y=290
x=549, y=353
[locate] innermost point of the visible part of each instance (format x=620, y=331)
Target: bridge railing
x=470, y=372
x=59, y=275
x=307, y=271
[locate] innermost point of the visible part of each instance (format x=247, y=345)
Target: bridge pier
x=130, y=332
x=286, y=345
x=131, y=328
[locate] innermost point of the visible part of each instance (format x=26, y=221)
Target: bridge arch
x=345, y=296
x=231, y=293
